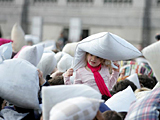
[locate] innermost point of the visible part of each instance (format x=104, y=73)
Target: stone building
x=137, y=21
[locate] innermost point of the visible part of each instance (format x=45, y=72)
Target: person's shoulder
x=80, y=69
x=104, y=67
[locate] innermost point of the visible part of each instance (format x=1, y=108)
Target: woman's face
x=94, y=61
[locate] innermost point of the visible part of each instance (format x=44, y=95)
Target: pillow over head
x=78, y=108
x=32, y=54
x=19, y=83
x=54, y=94
x=17, y=35
x=145, y=108
x=6, y=51
x=103, y=45
x=47, y=64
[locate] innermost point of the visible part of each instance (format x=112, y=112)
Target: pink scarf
x=99, y=80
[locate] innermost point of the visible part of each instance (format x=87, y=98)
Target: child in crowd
x=95, y=74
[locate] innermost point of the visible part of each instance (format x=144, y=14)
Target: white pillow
x=152, y=54
x=120, y=102
x=70, y=48
x=32, y=54
x=19, y=83
x=59, y=55
x=49, y=49
x=6, y=51
x=47, y=63
x=29, y=37
x=134, y=78
x=64, y=63
x=104, y=45
x=17, y=35
x=78, y=108
x=52, y=95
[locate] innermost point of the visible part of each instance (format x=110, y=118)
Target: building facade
x=137, y=21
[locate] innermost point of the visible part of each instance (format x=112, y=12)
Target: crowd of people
x=103, y=78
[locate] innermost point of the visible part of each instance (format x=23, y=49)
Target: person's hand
x=41, y=79
x=69, y=72
x=57, y=73
x=116, y=64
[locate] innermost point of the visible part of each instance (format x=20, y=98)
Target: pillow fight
x=102, y=77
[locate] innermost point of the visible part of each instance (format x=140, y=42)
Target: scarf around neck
x=99, y=80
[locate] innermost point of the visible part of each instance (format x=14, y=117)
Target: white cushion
x=104, y=45
x=59, y=55
x=64, y=63
x=29, y=37
x=6, y=51
x=78, y=108
x=17, y=35
x=19, y=83
x=121, y=101
x=70, y=48
x=47, y=63
x=32, y=54
x=52, y=95
x=49, y=49
x=134, y=78
x=152, y=54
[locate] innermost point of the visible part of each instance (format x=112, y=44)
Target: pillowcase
x=17, y=35
x=134, y=78
x=51, y=95
x=145, y=108
x=19, y=83
x=47, y=64
x=70, y=48
x=29, y=37
x=32, y=54
x=123, y=98
x=64, y=63
x=59, y=55
x=152, y=54
x=78, y=108
x=103, y=45
x=6, y=51
x=49, y=49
